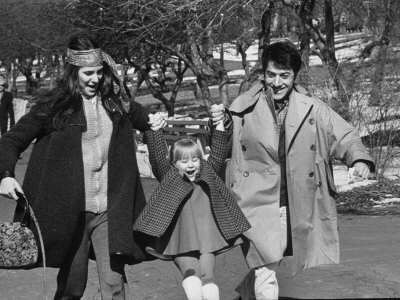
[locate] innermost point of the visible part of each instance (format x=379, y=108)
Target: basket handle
x=22, y=209
x=27, y=214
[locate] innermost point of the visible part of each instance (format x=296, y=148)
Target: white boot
x=265, y=285
x=210, y=291
x=193, y=288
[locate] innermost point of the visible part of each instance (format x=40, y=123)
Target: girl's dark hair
x=284, y=55
x=66, y=98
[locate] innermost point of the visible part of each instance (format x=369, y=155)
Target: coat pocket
x=325, y=176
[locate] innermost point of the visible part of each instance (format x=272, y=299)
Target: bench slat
x=187, y=122
x=174, y=137
x=186, y=130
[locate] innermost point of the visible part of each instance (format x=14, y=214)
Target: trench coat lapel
x=299, y=108
x=254, y=92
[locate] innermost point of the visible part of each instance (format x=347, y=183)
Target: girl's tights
x=198, y=275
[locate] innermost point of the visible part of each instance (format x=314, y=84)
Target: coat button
x=311, y=174
x=319, y=183
x=311, y=121
x=313, y=148
x=231, y=185
x=243, y=148
x=246, y=174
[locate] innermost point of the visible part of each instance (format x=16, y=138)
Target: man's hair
x=284, y=55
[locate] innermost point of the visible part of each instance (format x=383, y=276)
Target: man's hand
x=361, y=169
x=217, y=113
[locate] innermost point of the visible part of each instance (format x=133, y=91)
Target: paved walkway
x=369, y=268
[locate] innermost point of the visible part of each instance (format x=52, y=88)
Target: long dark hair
x=67, y=99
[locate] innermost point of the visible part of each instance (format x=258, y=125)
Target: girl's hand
x=8, y=186
x=157, y=121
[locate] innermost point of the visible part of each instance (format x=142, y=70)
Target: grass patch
x=364, y=200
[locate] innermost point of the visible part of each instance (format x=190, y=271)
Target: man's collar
x=281, y=104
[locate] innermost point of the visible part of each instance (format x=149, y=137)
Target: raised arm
x=157, y=153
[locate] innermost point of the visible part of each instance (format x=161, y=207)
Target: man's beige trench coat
x=314, y=135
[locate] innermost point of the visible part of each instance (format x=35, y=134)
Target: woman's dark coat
x=54, y=180
x=175, y=189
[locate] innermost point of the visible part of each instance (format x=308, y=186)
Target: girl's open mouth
x=190, y=173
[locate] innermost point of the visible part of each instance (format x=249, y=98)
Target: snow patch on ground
x=345, y=182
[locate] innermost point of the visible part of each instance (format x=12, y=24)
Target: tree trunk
x=197, y=70
x=341, y=102
x=221, y=56
x=306, y=17
x=250, y=27
x=14, y=74
x=390, y=14
x=263, y=39
x=326, y=47
x=26, y=70
x=217, y=70
x=241, y=48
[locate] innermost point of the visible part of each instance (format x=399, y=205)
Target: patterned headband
x=94, y=58
x=85, y=58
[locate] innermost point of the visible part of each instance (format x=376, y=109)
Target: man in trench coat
x=280, y=172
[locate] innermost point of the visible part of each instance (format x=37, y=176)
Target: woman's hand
x=8, y=186
x=157, y=121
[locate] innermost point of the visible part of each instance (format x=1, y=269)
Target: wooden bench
x=196, y=130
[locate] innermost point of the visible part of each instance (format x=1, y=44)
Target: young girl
x=191, y=217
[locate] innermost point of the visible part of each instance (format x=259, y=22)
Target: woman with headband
x=82, y=179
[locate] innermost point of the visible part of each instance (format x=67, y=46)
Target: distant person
x=281, y=173
x=82, y=178
x=191, y=217
x=6, y=106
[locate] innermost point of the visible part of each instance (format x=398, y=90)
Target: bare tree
x=181, y=29
x=391, y=12
x=31, y=30
x=263, y=35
